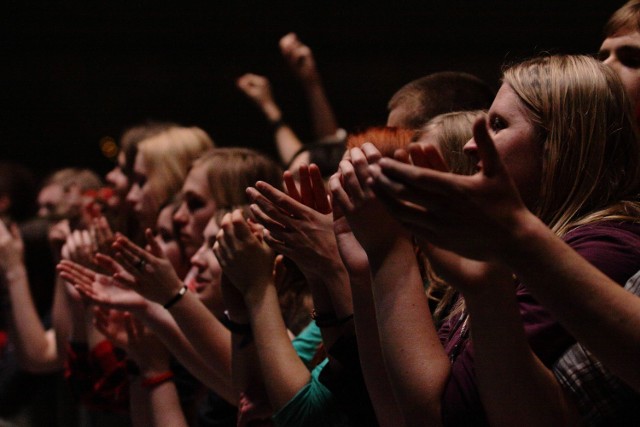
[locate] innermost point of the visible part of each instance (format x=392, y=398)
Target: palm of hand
x=156, y=281
x=107, y=293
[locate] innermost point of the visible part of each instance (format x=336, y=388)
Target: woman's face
x=119, y=182
x=144, y=200
x=207, y=271
x=517, y=143
x=168, y=241
x=195, y=210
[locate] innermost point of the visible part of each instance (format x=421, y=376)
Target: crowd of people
x=474, y=261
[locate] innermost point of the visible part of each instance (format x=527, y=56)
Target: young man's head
x=417, y=102
x=621, y=48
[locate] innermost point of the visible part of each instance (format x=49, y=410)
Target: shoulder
x=612, y=247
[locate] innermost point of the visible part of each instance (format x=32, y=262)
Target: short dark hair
x=625, y=19
x=440, y=93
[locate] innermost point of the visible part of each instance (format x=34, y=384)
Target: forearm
x=210, y=339
x=330, y=291
x=36, y=348
x=247, y=375
x=372, y=363
x=165, y=327
x=160, y=403
x=283, y=372
x=514, y=385
x=139, y=405
x=415, y=361
x=322, y=116
x=597, y=311
x=287, y=143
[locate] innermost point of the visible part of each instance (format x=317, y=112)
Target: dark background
x=73, y=73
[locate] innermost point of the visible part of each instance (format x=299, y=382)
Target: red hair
x=386, y=139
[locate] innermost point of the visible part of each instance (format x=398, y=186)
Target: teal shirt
x=313, y=405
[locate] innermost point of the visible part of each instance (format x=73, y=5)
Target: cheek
x=172, y=252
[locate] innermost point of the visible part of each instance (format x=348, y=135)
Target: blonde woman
x=565, y=133
x=160, y=168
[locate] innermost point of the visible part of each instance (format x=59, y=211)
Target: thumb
x=491, y=163
x=154, y=247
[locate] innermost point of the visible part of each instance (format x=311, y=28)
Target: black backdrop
x=73, y=73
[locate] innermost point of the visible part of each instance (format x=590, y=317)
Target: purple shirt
x=612, y=247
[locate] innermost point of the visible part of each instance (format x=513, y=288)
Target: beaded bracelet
x=176, y=298
x=156, y=380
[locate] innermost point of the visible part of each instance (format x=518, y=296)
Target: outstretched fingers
x=342, y=203
x=427, y=156
x=320, y=196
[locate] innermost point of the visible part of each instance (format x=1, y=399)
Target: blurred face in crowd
x=119, y=182
x=167, y=240
x=196, y=209
x=143, y=198
x=622, y=54
x=206, y=272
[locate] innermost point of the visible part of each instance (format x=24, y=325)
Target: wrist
x=311, y=80
x=177, y=296
x=524, y=232
x=235, y=315
x=272, y=112
x=15, y=271
x=152, y=379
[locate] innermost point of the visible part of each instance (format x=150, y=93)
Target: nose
x=133, y=197
x=111, y=176
x=470, y=148
x=181, y=216
x=197, y=260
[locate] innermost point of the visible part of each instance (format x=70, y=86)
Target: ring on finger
x=140, y=264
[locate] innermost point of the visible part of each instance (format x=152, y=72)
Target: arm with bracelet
x=258, y=89
x=154, y=398
x=248, y=264
x=300, y=226
x=154, y=278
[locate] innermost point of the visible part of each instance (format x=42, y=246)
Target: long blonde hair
x=591, y=154
x=452, y=131
x=169, y=155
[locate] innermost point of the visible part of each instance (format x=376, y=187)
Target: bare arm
x=36, y=347
x=283, y=372
x=300, y=227
x=366, y=326
x=596, y=310
x=302, y=63
x=258, y=89
x=415, y=360
x=153, y=389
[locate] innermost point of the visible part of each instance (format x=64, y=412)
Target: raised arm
x=248, y=264
x=366, y=327
x=36, y=346
x=300, y=227
x=596, y=310
x=153, y=388
x=103, y=291
x=258, y=89
x=415, y=360
x=302, y=63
